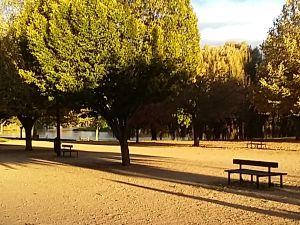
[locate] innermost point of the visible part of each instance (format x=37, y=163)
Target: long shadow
x=145, y=166
x=283, y=214
x=133, y=143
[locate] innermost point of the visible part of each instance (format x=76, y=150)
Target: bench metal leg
x=241, y=178
x=281, y=184
x=228, y=178
x=257, y=181
x=251, y=178
x=269, y=181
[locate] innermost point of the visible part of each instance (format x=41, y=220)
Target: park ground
x=168, y=183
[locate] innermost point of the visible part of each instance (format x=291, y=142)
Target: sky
x=235, y=20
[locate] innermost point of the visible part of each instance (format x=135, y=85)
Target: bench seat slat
x=255, y=172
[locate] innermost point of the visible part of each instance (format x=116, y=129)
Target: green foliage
x=76, y=42
x=70, y=41
x=126, y=53
x=183, y=119
x=17, y=97
x=280, y=71
x=148, y=83
x=219, y=92
x=227, y=61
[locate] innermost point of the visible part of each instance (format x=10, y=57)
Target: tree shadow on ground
x=283, y=214
x=147, y=166
x=140, y=144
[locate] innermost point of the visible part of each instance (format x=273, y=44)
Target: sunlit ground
x=168, y=183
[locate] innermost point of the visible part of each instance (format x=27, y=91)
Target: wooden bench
x=84, y=138
x=257, y=173
x=256, y=144
x=68, y=148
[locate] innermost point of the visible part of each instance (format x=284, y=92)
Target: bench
x=84, y=138
x=68, y=148
x=257, y=173
x=256, y=144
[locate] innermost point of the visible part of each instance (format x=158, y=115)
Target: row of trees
x=139, y=65
x=110, y=56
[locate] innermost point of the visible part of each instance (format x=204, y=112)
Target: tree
x=18, y=98
x=251, y=120
x=279, y=73
x=218, y=93
x=127, y=53
x=117, y=103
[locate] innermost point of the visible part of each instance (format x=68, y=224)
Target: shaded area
x=133, y=143
x=283, y=213
x=145, y=166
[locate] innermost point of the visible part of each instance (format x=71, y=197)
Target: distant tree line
x=139, y=65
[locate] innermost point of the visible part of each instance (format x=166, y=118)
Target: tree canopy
x=123, y=53
x=280, y=70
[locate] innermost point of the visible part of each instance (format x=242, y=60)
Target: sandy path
x=167, y=184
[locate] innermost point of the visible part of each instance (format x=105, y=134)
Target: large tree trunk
x=28, y=130
x=124, y=151
x=122, y=135
x=121, y=132
x=27, y=123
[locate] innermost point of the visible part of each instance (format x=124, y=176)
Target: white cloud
x=244, y=20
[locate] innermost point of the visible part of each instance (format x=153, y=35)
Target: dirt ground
x=168, y=183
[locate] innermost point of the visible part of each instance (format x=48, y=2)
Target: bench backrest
x=255, y=163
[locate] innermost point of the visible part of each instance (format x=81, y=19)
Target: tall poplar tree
x=218, y=92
